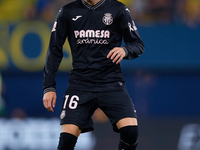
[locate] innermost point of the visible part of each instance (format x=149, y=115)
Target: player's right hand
x=49, y=100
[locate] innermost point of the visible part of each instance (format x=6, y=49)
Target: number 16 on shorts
x=73, y=101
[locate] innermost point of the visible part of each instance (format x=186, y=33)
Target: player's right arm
x=53, y=59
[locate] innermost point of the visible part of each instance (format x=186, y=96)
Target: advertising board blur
x=43, y=134
x=36, y=134
x=23, y=47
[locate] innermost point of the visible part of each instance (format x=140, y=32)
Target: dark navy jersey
x=92, y=31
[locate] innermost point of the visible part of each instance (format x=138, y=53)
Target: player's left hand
x=116, y=54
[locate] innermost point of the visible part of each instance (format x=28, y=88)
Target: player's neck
x=92, y=2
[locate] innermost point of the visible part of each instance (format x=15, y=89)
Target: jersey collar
x=94, y=6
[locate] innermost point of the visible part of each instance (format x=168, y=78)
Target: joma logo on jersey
x=92, y=34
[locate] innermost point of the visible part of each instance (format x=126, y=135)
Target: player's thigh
x=77, y=109
x=71, y=128
x=119, y=108
x=129, y=121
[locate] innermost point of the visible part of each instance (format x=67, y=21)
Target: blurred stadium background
x=164, y=82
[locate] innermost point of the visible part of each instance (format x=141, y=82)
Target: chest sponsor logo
x=92, y=36
x=107, y=19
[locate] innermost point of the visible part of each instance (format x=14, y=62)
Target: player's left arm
x=134, y=45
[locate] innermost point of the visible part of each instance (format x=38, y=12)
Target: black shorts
x=79, y=106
